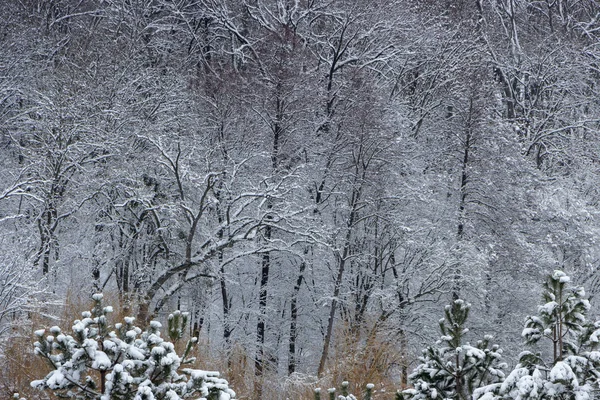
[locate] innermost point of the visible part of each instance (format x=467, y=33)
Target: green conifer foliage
x=572, y=372
x=346, y=395
x=452, y=368
x=122, y=362
x=561, y=318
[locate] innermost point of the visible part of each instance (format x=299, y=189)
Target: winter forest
x=311, y=180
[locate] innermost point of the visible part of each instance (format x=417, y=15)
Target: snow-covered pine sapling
x=122, y=362
x=346, y=395
x=574, y=369
x=331, y=392
x=561, y=318
x=452, y=368
x=177, y=323
x=369, y=391
x=345, y=392
x=345, y=385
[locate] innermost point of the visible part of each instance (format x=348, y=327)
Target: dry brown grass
x=19, y=365
x=360, y=357
x=366, y=356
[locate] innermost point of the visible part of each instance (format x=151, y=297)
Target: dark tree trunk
x=294, y=319
x=260, y=325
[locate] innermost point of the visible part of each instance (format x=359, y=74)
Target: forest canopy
x=309, y=180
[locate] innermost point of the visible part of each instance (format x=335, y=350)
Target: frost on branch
x=103, y=362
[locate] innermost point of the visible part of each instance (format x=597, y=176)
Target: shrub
x=123, y=362
x=368, y=395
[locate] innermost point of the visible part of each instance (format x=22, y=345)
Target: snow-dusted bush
x=573, y=371
x=123, y=362
x=452, y=368
x=345, y=394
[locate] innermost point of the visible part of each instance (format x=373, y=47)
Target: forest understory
x=311, y=181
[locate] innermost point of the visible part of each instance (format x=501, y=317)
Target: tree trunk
x=277, y=130
x=464, y=180
x=337, y=286
x=260, y=325
x=294, y=319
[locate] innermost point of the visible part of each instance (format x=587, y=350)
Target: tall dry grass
x=358, y=356
x=362, y=356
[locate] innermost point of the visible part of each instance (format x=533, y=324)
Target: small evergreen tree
x=573, y=371
x=121, y=362
x=453, y=369
x=346, y=395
